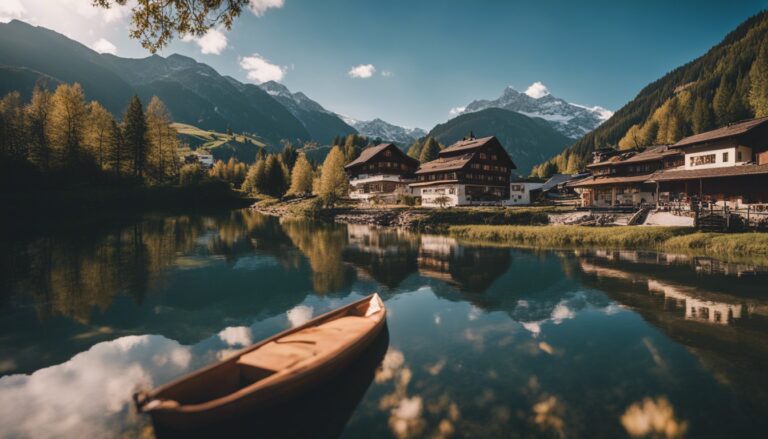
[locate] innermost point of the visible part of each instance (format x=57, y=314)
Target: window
x=725, y=157
x=483, y=156
x=494, y=157
x=702, y=160
x=486, y=167
x=387, y=153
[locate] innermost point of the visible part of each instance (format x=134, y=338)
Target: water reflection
x=484, y=340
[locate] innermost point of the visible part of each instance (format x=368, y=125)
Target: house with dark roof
x=621, y=179
x=725, y=166
x=381, y=172
x=470, y=172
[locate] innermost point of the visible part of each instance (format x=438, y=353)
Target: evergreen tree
x=430, y=150
x=275, y=175
x=702, y=116
x=163, y=141
x=301, y=177
x=117, y=153
x=254, y=180
x=333, y=180
x=69, y=114
x=288, y=155
x=758, y=78
x=722, y=101
x=98, y=129
x=38, y=119
x=135, y=135
x=415, y=149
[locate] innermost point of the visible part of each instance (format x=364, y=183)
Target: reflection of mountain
x=727, y=332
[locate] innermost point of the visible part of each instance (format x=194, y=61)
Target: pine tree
x=415, y=149
x=163, y=141
x=39, y=119
x=702, y=116
x=758, y=79
x=117, y=152
x=97, y=133
x=333, y=180
x=275, y=176
x=69, y=114
x=301, y=177
x=288, y=155
x=430, y=150
x=722, y=101
x=254, y=180
x=135, y=135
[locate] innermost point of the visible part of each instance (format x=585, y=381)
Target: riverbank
x=746, y=247
x=411, y=218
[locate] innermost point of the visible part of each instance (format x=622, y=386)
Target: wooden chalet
x=620, y=179
x=471, y=171
x=381, y=172
x=727, y=166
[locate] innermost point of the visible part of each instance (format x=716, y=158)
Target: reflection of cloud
x=436, y=368
x=532, y=327
x=548, y=415
x=474, y=313
x=561, y=312
x=236, y=335
x=437, y=319
x=393, y=361
x=300, y=314
x=653, y=417
x=88, y=395
x=654, y=352
x=405, y=419
x=546, y=347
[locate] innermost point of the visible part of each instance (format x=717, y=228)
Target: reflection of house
x=697, y=309
x=386, y=255
x=471, y=171
x=381, y=171
x=472, y=268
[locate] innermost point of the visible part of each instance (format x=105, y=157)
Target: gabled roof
x=725, y=171
x=371, y=151
x=557, y=179
x=466, y=144
x=651, y=154
x=734, y=129
x=446, y=163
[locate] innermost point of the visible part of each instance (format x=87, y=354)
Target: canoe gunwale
x=143, y=398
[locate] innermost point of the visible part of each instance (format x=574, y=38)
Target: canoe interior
x=227, y=377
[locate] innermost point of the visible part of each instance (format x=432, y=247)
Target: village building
x=621, y=179
x=524, y=192
x=470, y=172
x=727, y=166
x=724, y=167
x=381, y=173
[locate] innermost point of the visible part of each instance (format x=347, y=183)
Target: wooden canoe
x=269, y=371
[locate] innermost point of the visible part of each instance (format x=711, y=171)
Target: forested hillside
x=727, y=84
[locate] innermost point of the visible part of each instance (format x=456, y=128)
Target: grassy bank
x=736, y=247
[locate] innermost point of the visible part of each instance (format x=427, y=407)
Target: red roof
x=731, y=130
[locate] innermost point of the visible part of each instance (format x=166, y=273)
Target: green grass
x=221, y=145
x=734, y=247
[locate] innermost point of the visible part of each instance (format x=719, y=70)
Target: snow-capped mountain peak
x=380, y=129
x=573, y=120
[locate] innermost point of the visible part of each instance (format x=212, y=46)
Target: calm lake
x=482, y=341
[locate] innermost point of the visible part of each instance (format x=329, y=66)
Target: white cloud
x=259, y=7
x=537, y=90
x=10, y=9
x=300, y=314
x=387, y=73
x=102, y=45
x=213, y=42
x=261, y=70
x=362, y=71
x=455, y=111
x=236, y=335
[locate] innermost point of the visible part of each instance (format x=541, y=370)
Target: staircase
x=639, y=217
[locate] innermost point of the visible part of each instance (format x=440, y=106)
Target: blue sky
x=431, y=56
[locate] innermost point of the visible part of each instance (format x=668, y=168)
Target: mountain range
x=379, y=129
x=528, y=140
x=572, y=120
x=713, y=90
